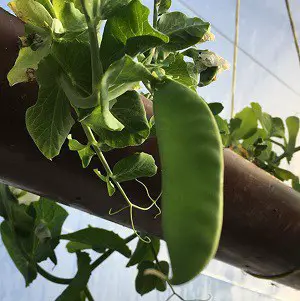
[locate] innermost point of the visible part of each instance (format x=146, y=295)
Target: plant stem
x=88, y=294
x=155, y=14
x=105, y=255
x=97, y=69
x=284, y=155
x=52, y=278
x=94, y=265
x=277, y=143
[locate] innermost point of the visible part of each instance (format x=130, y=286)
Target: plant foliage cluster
x=95, y=81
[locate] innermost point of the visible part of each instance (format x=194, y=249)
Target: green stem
x=97, y=69
x=105, y=255
x=284, y=155
x=155, y=14
x=88, y=294
x=277, y=143
x=52, y=278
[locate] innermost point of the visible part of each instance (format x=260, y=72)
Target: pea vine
x=92, y=59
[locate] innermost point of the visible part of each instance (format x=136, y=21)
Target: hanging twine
x=236, y=40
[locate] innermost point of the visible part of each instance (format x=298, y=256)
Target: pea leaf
x=134, y=166
x=181, y=71
x=247, y=126
x=264, y=118
x=182, y=31
x=146, y=283
x=216, y=107
x=84, y=151
x=110, y=188
x=121, y=76
x=129, y=31
x=163, y=6
x=49, y=220
x=224, y=130
x=130, y=111
x=74, y=247
x=49, y=121
x=71, y=17
x=292, y=123
x=30, y=11
x=99, y=238
x=143, y=252
x=26, y=63
x=26, y=268
x=278, y=129
x=79, y=283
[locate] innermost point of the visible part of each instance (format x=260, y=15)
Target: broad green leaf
x=296, y=184
x=181, y=71
x=108, y=8
x=84, y=151
x=49, y=121
x=30, y=11
x=26, y=64
x=143, y=252
x=216, y=107
x=80, y=281
x=48, y=224
x=278, y=129
x=163, y=6
x=182, y=31
x=146, y=283
x=99, y=238
x=122, y=76
x=134, y=166
x=264, y=118
x=49, y=7
x=12, y=211
x=292, y=124
x=283, y=174
x=130, y=111
x=129, y=31
x=71, y=17
x=248, y=124
x=26, y=268
x=74, y=247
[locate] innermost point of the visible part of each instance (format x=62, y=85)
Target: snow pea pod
x=192, y=178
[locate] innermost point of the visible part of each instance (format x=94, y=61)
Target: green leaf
x=49, y=121
x=146, y=283
x=49, y=220
x=84, y=151
x=278, y=129
x=99, y=238
x=74, y=247
x=110, y=188
x=129, y=31
x=181, y=71
x=248, y=124
x=26, y=64
x=182, y=31
x=71, y=17
x=79, y=283
x=163, y=6
x=143, y=252
x=30, y=11
x=109, y=8
x=216, y=107
x=292, y=123
x=130, y=111
x=264, y=118
x=26, y=268
x=135, y=166
x=224, y=130
x=122, y=76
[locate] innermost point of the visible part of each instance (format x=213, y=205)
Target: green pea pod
x=192, y=178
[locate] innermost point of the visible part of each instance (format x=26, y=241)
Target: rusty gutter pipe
x=261, y=232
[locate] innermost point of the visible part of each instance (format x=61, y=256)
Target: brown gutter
x=261, y=231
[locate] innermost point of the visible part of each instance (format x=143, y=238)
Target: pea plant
x=92, y=60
